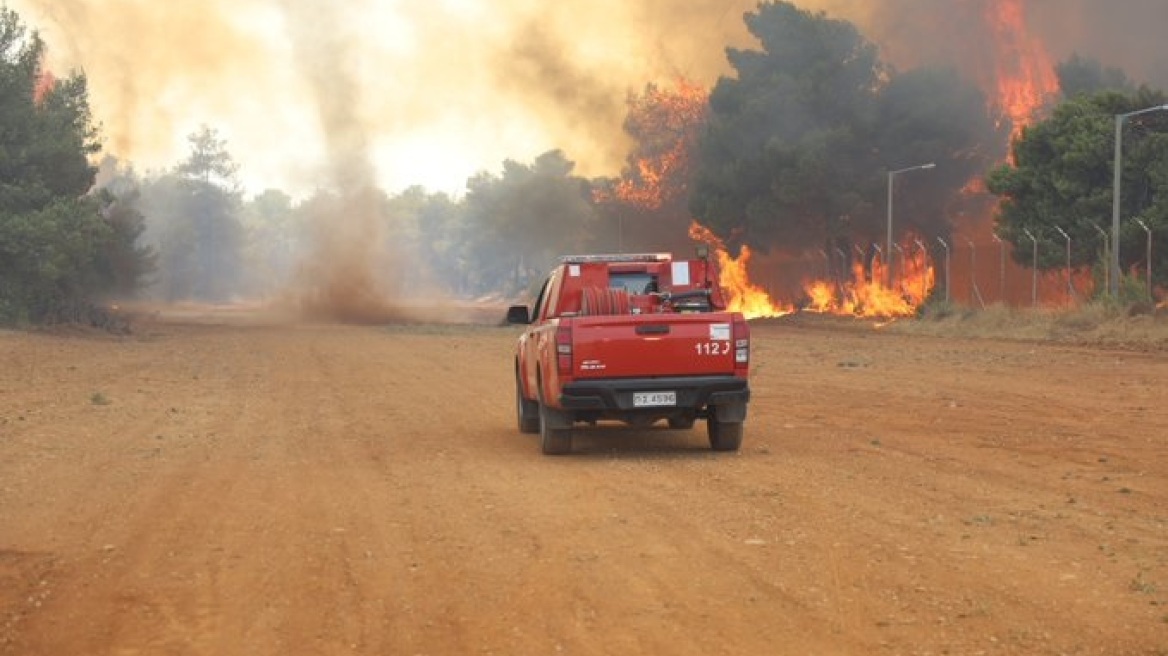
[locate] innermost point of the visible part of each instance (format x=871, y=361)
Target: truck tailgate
x=617, y=346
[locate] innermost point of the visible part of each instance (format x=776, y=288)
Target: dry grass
x=1096, y=324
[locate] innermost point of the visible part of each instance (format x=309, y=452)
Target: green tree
x=428, y=238
x=446, y=242
x=47, y=133
x=275, y=240
x=61, y=247
x=801, y=138
x=1062, y=175
x=126, y=259
x=1082, y=76
x=525, y=219
x=194, y=213
x=771, y=163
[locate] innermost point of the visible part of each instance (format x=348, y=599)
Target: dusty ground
x=227, y=486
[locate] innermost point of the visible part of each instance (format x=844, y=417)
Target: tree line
x=789, y=152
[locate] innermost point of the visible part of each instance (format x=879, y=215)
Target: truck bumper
x=693, y=393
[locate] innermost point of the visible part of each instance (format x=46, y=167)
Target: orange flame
x=862, y=295
x=667, y=122
x=45, y=83
x=865, y=295
x=741, y=294
x=1025, y=74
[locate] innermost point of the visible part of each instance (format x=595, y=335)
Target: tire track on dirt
x=321, y=489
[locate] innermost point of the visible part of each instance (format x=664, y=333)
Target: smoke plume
x=436, y=91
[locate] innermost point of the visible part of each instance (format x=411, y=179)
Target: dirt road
x=242, y=488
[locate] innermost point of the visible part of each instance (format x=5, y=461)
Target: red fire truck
x=638, y=338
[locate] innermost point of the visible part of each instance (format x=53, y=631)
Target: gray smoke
x=448, y=87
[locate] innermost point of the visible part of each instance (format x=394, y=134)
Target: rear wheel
x=554, y=440
x=526, y=410
x=724, y=435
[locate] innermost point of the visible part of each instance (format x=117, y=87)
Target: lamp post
x=891, y=176
x=1116, y=183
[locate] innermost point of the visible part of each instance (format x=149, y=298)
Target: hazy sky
x=432, y=92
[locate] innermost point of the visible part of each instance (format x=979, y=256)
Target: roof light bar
x=624, y=257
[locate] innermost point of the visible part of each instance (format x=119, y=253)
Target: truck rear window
x=633, y=282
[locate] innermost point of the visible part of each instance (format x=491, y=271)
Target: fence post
x=1070, y=283
x=1149, y=256
x=1106, y=257
x=946, y=247
x=903, y=263
x=1001, y=269
x=974, y=290
x=1033, y=268
x=924, y=263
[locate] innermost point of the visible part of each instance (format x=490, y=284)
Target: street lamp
x=891, y=175
x=1117, y=176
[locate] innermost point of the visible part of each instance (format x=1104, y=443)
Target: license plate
x=654, y=399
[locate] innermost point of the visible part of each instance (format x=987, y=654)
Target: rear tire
x=724, y=435
x=553, y=441
x=526, y=410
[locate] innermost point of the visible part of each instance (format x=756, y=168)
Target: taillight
x=741, y=343
x=564, y=349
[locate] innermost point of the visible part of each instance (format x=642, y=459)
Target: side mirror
x=518, y=314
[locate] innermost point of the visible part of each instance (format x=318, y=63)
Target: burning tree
x=1024, y=75
x=646, y=208
x=1061, y=178
x=653, y=190
x=800, y=140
